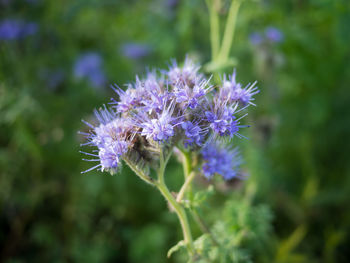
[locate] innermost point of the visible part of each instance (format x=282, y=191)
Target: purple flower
x=192, y=132
x=274, y=35
x=186, y=75
x=256, y=38
x=191, y=96
x=220, y=160
x=110, y=156
x=89, y=66
x=135, y=50
x=232, y=91
x=127, y=99
x=160, y=128
x=112, y=139
x=12, y=29
x=222, y=120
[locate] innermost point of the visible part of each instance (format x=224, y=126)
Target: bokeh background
x=57, y=59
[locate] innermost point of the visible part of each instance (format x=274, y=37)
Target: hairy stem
x=179, y=210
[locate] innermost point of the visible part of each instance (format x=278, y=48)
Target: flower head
x=218, y=159
x=89, y=66
x=160, y=128
x=232, y=91
x=273, y=34
x=112, y=137
x=186, y=75
x=193, y=133
x=135, y=50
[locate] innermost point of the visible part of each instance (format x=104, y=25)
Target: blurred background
x=57, y=60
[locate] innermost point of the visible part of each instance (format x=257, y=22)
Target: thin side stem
x=179, y=210
x=187, y=166
x=229, y=30
x=203, y=226
x=186, y=185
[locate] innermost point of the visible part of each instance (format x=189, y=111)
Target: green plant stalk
x=229, y=31
x=179, y=210
x=185, y=186
x=214, y=29
x=187, y=167
x=203, y=226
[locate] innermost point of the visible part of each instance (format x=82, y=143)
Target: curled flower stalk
x=174, y=110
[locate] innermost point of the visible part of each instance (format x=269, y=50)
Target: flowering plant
x=177, y=111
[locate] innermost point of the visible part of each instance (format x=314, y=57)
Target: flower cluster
x=177, y=107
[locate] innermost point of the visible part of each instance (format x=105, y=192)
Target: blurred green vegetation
x=297, y=156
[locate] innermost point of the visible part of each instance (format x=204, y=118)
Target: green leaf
x=201, y=196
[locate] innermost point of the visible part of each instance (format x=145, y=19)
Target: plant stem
x=185, y=186
x=214, y=28
x=203, y=226
x=187, y=166
x=179, y=210
x=229, y=30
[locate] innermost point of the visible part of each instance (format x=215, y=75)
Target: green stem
x=203, y=226
x=179, y=210
x=185, y=186
x=229, y=30
x=214, y=28
x=187, y=166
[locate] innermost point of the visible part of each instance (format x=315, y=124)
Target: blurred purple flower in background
x=135, y=50
x=256, y=38
x=273, y=34
x=89, y=66
x=172, y=3
x=13, y=29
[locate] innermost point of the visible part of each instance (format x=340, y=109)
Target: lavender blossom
x=256, y=38
x=160, y=128
x=135, y=50
x=271, y=35
x=274, y=35
x=222, y=120
x=190, y=97
x=186, y=75
x=233, y=91
x=193, y=133
x=12, y=29
x=112, y=137
x=220, y=160
x=89, y=66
